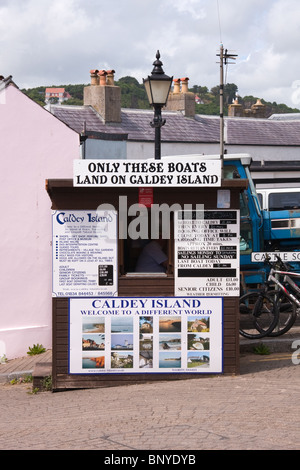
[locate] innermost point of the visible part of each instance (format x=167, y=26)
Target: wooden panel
x=64, y=196
x=133, y=287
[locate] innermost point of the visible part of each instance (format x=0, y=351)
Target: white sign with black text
x=259, y=257
x=207, y=255
x=169, y=171
x=84, y=246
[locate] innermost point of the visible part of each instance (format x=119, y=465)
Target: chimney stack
x=181, y=100
x=103, y=95
x=257, y=110
x=235, y=109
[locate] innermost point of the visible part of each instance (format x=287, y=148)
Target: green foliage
x=3, y=359
x=262, y=350
x=36, y=349
x=22, y=380
x=133, y=95
x=36, y=94
x=73, y=102
x=47, y=383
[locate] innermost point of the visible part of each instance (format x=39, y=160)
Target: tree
x=133, y=95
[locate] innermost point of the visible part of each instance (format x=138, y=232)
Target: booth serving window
x=148, y=247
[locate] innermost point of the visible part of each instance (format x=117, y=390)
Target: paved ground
x=259, y=409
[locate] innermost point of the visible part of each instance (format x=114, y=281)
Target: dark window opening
x=140, y=247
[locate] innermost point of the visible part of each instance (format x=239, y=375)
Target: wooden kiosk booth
x=116, y=325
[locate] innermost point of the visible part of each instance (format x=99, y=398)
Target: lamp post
x=158, y=86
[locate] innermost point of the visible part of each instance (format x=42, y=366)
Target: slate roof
x=285, y=116
x=136, y=123
x=263, y=132
x=178, y=128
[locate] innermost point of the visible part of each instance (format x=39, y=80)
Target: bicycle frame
x=286, y=279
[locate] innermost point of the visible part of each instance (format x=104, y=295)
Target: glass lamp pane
x=148, y=90
x=160, y=90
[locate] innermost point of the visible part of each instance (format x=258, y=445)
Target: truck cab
x=251, y=218
x=262, y=229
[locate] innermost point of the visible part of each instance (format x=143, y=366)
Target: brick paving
x=259, y=409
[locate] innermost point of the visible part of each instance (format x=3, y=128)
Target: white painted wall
x=34, y=146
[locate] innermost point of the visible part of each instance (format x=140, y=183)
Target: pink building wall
x=34, y=146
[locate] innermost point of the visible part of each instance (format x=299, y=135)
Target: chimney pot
x=102, y=74
x=176, y=85
x=184, y=82
x=94, y=77
x=110, y=77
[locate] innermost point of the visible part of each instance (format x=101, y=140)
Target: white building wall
x=34, y=146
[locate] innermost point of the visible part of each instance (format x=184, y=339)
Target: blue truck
x=262, y=231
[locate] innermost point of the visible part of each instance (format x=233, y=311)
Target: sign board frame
x=289, y=256
x=191, y=171
x=207, y=252
x=84, y=253
x=151, y=335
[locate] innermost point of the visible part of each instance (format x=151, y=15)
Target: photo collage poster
x=145, y=335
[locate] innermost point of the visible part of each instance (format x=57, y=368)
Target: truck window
x=246, y=239
x=260, y=198
x=231, y=172
x=284, y=201
x=244, y=207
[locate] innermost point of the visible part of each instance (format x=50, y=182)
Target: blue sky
x=53, y=42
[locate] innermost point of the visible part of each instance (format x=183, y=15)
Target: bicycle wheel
x=287, y=313
x=258, y=315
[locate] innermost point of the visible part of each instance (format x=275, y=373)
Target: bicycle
x=286, y=294
x=258, y=312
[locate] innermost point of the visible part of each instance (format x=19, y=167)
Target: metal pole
x=157, y=120
x=221, y=109
x=157, y=123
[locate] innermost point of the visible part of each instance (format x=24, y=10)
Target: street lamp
x=158, y=86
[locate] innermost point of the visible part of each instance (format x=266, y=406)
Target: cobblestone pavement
x=259, y=409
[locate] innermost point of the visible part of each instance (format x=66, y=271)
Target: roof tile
x=178, y=128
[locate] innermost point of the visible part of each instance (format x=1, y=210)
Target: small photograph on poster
x=146, y=342
x=97, y=326
x=197, y=359
x=121, y=324
x=93, y=361
x=169, y=360
x=197, y=342
x=146, y=360
x=170, y=342
x=198, y=324
x=146, y=324
x=121, y=360
x=121, y=342
x=169, y=324
x=92, y=342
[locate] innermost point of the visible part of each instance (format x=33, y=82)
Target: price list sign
x=207, y=253
x=84, y=253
